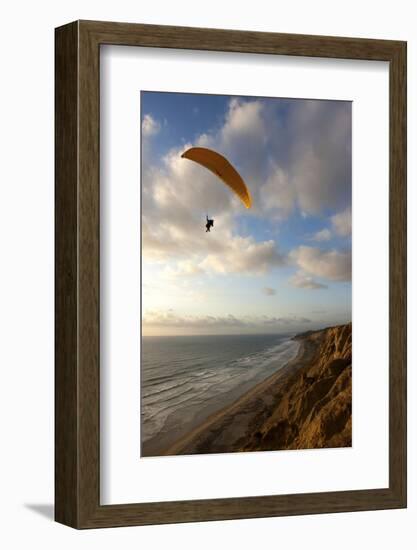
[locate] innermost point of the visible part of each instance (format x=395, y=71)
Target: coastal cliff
x=305, y=405
x=314, y=409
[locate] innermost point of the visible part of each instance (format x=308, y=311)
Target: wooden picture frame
x=77, y=382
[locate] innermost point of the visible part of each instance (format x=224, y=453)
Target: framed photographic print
x=230, y=274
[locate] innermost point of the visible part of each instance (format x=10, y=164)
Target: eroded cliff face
x=314, y=409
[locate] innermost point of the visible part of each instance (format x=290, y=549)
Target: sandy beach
x=306, y=404
x=191, y=379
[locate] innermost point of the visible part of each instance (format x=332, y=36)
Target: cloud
x=278, y=194
x=185, y=268
x=333, y=265
x=295, y=155
x=150, y=127
x=176, y=197
x=244, y=124
x=269, y=291
x=320, y=154
x=244, y=255
x=169, y=319
x=177, y=193
x=186, y=245
x=301, y=280
x=323, y=235
x=341, y=226
x=342, y=223
x=284, y=321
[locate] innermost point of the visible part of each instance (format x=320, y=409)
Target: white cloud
x=150, y=127
x=176, y=197
x=304, y=162
x=244, y=138
x=244, y=122
x=268, y=291
x=320, y=154
x=301, y=280
x=278, y=194
x=244, y=255
x=178, y=193
x=342, y=223
x=185, y=268
x=191, y=251
x=333, y=265
x=169, y=319
x=321, y=236
x=284, y=321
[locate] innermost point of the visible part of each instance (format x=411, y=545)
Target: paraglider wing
x=222, y=168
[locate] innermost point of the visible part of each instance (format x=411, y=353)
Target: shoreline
x=230, y=415
x=161, y=443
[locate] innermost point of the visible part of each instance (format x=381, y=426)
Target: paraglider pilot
x=220, y=167
x=210, y=223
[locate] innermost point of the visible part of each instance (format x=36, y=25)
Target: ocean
x=184, y=379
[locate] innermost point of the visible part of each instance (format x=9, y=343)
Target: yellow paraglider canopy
x=222, y=168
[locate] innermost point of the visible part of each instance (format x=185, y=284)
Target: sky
x=283, y=266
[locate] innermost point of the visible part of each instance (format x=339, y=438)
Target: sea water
x=186, y=378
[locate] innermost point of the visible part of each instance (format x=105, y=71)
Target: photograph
x=208, y=271
x=246, y=216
